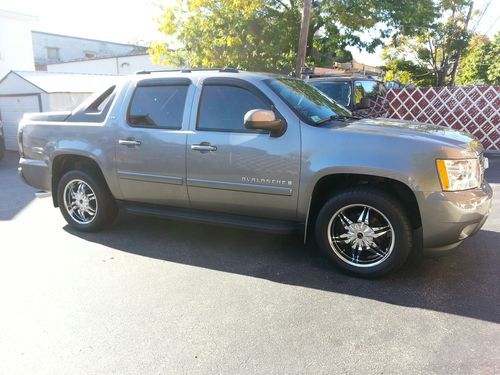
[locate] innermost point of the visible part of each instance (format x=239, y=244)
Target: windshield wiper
x=337, y=117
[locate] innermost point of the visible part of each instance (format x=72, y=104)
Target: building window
x=52, y=54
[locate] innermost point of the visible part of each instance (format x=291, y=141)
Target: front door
x=235, y=170
x=151, y=143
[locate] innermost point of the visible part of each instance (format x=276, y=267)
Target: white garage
x=25, y=92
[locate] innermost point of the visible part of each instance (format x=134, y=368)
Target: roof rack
x=189, y=70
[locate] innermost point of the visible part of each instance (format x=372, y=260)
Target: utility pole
x=459, y=52
x=304, y=31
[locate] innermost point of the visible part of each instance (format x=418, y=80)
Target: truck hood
x=418, y=131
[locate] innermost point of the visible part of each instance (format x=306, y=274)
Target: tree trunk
x=304, y=31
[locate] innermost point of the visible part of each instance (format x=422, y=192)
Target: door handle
x=129, y=142
x=204, y=147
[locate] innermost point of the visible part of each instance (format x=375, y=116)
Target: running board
x=217, y=218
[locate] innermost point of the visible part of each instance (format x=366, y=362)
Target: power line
x=493, y=23
x=481, y=16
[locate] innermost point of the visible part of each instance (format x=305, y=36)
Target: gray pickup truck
x=263, y=152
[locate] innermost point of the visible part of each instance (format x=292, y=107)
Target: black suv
x=362, y=95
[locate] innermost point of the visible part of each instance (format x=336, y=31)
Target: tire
x=384, y=235
x=94, y=208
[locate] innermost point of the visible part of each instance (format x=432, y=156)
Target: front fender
x=338, y=151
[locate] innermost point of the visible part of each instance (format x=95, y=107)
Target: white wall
x=113, y=65
x=16, y=49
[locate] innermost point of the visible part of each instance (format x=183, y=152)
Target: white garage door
x=12, y=109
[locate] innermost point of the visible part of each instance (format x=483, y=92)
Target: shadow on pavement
x=14, y=195
x=465, y=283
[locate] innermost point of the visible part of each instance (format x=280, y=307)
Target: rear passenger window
x=158, y=106
x=222, y=108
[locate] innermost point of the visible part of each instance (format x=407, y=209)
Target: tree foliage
x=473, y=67
x=431, y=56
x=494, y=61
x=263, y=34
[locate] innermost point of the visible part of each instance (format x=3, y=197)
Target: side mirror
x=263, y=119
x=364, y=103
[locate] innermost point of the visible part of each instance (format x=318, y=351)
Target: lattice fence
x=474, y=109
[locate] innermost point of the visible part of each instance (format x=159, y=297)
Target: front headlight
x=459, y=174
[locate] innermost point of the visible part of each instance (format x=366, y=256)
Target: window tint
x=223, y=107
x=158, y=106
x=338, y=91
x=370, y=88
x=359, y=92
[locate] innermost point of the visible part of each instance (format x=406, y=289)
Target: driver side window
x=223, y=107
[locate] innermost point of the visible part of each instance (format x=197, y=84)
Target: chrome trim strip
x=147, y=177
x=239, y=186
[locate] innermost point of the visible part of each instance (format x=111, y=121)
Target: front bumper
x=448, y=218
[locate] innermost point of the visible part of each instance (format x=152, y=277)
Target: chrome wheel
x=360, y=235
x=80, y=201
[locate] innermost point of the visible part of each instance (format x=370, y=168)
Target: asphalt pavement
x=153, y=296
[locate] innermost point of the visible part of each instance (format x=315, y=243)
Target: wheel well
x=328, y=185
x=66, y=163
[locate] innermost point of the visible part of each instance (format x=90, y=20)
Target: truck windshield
x=338, y=91
x=309, y=103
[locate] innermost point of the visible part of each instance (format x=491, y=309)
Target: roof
x=66, y=82
x=99, y=58
x=89, y=39
x=200, y=73
x=17, y=16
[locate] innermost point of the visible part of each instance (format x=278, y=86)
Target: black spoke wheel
x=364, y=231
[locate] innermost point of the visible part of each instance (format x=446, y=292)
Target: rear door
x=151, y=142
x=236, y=170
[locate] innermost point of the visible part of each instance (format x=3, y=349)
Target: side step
x=217, y=218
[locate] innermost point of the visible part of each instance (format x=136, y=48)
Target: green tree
x=492, y=58
x=473, y=67
x=432, y=56
x=263, y=34
x=408, y=73
x=480, y=64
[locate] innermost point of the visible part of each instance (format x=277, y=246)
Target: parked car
x=363, y=96
x=262, y=152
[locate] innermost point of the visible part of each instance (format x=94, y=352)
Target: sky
x=134, y=20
